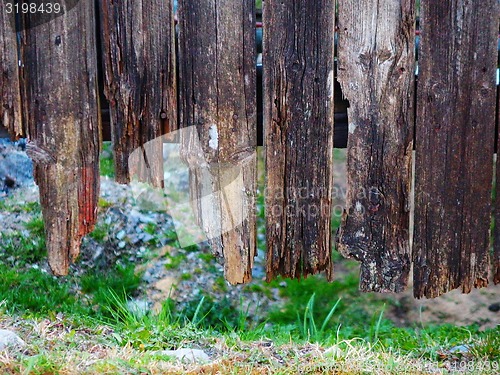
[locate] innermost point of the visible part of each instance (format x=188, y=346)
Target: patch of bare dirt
x=481, y=306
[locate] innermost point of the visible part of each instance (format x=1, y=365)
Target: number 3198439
x=33, y=8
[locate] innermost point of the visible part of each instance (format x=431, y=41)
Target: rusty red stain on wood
x=62, y=118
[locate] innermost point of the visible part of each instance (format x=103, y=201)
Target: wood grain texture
x=496, y=233
x=218, y=101
x=298, y=118
x=140, y=79
x=62, y=112
x=376, y=72
x=10, y=90
x=454, y=145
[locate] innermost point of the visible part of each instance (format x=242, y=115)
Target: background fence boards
x=10, y=89
x=63, y=127
x=140, y=78
x=298, y=118
x=455, y=139
x=52, y=98
x=376, y=71
x=218, y=97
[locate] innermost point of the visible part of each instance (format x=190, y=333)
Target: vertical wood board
x=298, y=60
x=140, y=79
x=63, y=124
x=10, y=90
x=218, y=117
x=376, y=72
x=454, y=145
x=496, y=233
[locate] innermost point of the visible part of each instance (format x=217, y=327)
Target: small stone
x=141, y=217
x=134, y=239
x=495, y=307
x=9, y=181
x=187, y=355
x=121, y=235
x=460, y=349
x=137, y=307
x=122, y=244
x=147, y=238
x=9, y=339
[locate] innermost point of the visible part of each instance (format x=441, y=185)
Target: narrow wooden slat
x=298, y=118
x=454, y=145
x=62, y=112
x=10, y=93
x=218, y=110
x=496, y=232
x=140, y=78
x=376, y=72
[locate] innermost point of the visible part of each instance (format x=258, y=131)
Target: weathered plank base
x=454, y=145
x=298, y=117
x=63, y=127
x=218, y=101
x=376, y=72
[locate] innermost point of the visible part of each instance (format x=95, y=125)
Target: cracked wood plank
x=140, y=80
x=454, y=145
x=218, y=114
x=298, y=116
x=376, y=72
x=63, y=127
x=10, y=89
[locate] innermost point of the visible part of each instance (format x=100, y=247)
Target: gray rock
x=121, y=235
x=187, y=355
x=138, y=307
x=460, y=349
x=16, y=168
x=9, y=339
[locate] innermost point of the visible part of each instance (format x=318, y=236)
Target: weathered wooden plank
x=496, y=232
x=62, y=112
x=298, y=116
x=454, y=145
x=376, y=72
x=140, y=78
x=10, y=92
x=218, y=101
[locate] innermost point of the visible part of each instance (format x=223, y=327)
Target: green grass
x=90, y=311
x=122, y=282
x=107, y=166
x=19, y=249
x=100, y=232
x=35, y=292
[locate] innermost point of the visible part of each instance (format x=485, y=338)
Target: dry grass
x=58, y=347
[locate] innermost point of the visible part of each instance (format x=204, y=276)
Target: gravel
x=135, y=227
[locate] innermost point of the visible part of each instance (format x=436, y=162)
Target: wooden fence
x=159, y=76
